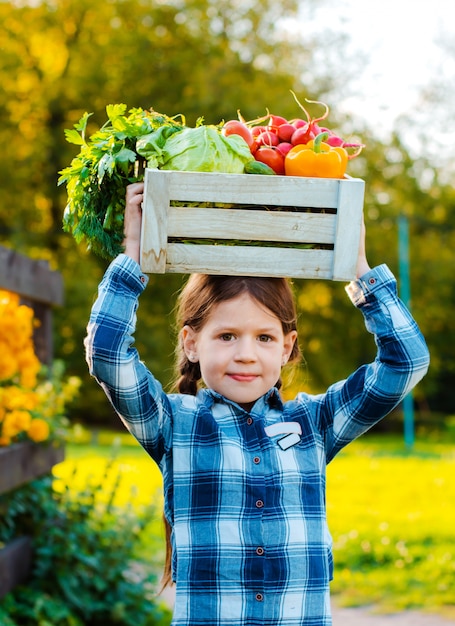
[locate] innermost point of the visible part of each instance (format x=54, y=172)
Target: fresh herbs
x=97, y=177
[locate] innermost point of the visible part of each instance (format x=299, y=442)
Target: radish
x=267, y=138
x=284, y=147
x=285, y=131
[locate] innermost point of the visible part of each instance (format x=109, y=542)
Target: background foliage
x=200, y=57
x=86, y=568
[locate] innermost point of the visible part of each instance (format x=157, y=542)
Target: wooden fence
x=40, y=288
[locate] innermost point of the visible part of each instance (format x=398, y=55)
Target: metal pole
x=405, y=294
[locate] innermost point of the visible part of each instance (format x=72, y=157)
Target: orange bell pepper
x=316, y=159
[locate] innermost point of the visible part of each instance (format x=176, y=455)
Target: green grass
x=391, y=512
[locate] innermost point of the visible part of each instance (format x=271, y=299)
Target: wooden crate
x=284, y=213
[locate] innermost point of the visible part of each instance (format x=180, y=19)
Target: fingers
x=135, y=195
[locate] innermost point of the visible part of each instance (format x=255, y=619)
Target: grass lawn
x=392, y=517
x=391, y=513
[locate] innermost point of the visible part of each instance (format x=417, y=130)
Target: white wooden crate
x=274, y=219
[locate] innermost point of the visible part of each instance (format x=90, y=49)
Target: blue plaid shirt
x=245, y=492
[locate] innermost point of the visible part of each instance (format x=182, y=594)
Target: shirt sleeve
x=352, y=406
x=135, y=394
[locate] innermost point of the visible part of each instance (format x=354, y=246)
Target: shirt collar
x=272, y=398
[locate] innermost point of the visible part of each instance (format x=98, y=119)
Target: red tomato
x=271, y=157
x=234, y=127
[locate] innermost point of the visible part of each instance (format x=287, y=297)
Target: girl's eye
x=227, y=337
x=265, y=338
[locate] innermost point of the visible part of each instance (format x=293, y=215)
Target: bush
x=85, y=572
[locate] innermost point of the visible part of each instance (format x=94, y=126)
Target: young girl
x=244, y=473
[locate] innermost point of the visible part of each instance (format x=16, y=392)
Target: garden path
x=364, y=617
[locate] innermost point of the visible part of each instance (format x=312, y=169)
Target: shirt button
x=259, y=597
x=256, y=460
x=372, y=281
x=142, y=279
x=249, y=421
x=259, y=504
x=259, y=551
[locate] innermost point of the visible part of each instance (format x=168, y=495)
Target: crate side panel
x=251, y=188
x=249, y=260
x=154, y=223
x=251, y=225
x=348, y=228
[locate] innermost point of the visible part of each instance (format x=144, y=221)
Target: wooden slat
x=249, y=261
x=15, y=564
x=213, y=223
x=347, y=235
x=30, y=278
x=248, y=188
x=154, y=224
x=20, y=463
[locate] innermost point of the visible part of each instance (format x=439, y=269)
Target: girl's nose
x=246, y=350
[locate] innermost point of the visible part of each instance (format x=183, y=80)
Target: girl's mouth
x=244, y=378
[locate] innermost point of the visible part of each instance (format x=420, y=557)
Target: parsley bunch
x=97, y=177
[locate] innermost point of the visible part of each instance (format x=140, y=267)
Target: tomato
x=234, y=127
x=271, y=157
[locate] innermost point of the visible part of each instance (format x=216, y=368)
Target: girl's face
x=241, y=349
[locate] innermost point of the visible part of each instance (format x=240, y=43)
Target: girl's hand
x=362, y=263
x=133, y=220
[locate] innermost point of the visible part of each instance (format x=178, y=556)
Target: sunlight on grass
x=123, y=466
x=392, y=518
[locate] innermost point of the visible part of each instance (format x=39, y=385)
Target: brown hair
x=196, y=301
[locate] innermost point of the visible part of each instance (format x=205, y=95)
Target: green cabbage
x=201, y=149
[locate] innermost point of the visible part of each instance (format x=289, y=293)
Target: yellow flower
x=15, y=423
x=4, y=441
x=38, y=430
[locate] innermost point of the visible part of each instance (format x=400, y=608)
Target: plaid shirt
x=245, y=492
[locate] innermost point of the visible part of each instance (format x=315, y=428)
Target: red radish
x=302, y=135
x=277, y=120
x=271, y=157
x=312, y=128
x=334, y=141
x=267, y=138
x=285, y=131
x=298, y=122
x=233, y=127
x=257, y=130
x=284, y=147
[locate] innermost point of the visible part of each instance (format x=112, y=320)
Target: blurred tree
x=60, y=58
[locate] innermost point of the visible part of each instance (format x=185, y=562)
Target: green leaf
x=82, y=124
x=115, y=110
x=72, y=136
